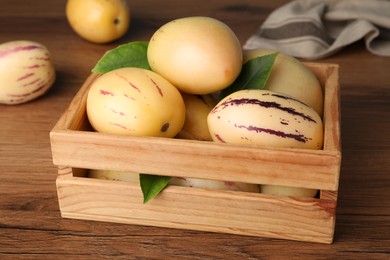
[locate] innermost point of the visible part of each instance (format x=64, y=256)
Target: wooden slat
x=192, y=208
x=186, y=158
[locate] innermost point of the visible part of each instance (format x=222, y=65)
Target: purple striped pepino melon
x=265, y=118
x=26, y=71
x=137, y=102
x=214, y=184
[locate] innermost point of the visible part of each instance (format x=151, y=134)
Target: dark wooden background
x=30, y=223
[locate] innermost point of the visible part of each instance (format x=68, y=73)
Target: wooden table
x=30, y=222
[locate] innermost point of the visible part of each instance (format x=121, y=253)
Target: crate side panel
x=332, y=112
x=190, y=208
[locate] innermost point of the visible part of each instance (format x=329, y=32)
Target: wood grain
x=197, y=209
x=31, y=226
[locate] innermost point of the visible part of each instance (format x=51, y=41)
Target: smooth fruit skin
x=113, y=175
x=197, y=109
x=137, y=102
x=267, y=119
x=26, y=71
x=288, y=191
x=98, y=21
x=214, y=184
x=289, y=76
x=199, y=55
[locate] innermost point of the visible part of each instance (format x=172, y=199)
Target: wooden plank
x=197, y=209
x=205, y=160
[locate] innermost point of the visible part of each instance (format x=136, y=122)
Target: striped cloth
x=315, y=29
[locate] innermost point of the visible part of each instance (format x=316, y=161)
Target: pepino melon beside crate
x=76, y=148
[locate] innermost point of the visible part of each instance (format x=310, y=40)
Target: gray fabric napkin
x=315, y=29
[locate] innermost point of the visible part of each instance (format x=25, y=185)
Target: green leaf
x=254, y=74
x=152, y=185
x=133, y=54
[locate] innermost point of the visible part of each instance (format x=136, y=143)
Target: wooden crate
x=76, y=148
